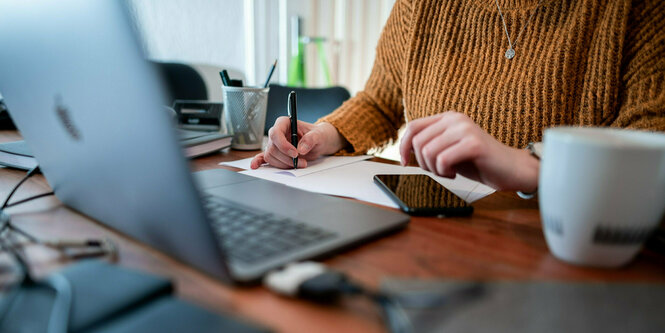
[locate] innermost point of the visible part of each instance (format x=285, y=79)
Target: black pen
x=272, y=70
x=225, y=78
x=293, y=115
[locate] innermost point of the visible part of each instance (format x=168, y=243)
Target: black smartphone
x=422, y=195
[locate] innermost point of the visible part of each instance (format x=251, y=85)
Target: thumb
x=308, y=141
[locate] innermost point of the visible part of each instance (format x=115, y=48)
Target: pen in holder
x=245, y=115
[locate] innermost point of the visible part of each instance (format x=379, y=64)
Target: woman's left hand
x=451, y=143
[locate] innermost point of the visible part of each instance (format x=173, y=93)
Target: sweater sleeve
x=373, y=117
x=643, y=69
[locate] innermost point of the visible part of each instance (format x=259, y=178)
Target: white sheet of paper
x=355, y=180
x=241, y=164
x=323, y=163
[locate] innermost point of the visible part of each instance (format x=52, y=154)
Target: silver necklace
x=510, y=52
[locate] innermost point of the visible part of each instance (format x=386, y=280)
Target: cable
x=24, y=272
x=331, y=285
x=29, y=199
x=59, y=316
x=314, y=282
x=74, y=249
x=11, y=249
x=4, y=218
x=25, y=234
x=30, y=173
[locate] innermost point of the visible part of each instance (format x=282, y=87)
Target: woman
x=477, y=80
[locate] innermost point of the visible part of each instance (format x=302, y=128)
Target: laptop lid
x=91, y=109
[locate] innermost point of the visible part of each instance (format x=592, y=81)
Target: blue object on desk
x=101, y=297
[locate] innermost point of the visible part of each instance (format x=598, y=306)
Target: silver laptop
x=90, y=107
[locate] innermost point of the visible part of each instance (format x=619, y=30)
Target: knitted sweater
x=577, y=62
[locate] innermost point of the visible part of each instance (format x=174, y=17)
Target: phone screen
x=422, y=195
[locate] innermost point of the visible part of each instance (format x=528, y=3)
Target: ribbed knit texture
x=578, y=62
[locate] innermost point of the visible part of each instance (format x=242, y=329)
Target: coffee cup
x=601, y=192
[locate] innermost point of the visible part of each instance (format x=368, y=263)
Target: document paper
x=352, y=176
x=323, y=163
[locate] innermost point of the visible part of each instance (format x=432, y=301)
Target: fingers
x=437, y=130
x=413, y=128
x=303, y=128
x=278, y=163
x=278, y=159
x=302, y=163
x=279, y=135
x=464, y=150
x=441, y=144
x=308, y=141
x=285, y=164
x=280, y=152
x=433, y=140
x=257, y=161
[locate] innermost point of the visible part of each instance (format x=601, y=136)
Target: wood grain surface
x=502, y=240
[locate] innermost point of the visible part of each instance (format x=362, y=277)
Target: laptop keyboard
x=250, y=236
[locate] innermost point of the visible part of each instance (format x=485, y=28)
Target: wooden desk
x=502, y=240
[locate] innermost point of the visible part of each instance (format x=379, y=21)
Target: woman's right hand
x=313, y=142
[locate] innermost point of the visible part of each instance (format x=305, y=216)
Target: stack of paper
x=352, y=176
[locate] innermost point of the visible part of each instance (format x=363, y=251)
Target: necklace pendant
x=510, y=53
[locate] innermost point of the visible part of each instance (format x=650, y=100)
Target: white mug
x=601, y=192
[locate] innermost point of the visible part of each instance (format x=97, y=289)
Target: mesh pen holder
x=245, y=115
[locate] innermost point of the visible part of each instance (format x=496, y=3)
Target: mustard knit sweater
x=578, y=62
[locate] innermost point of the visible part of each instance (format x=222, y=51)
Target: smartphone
x=422, y=195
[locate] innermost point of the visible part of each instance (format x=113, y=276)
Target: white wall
x=193, y=31
x=246, y=36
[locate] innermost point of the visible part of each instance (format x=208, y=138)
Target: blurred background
x=318, y=42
